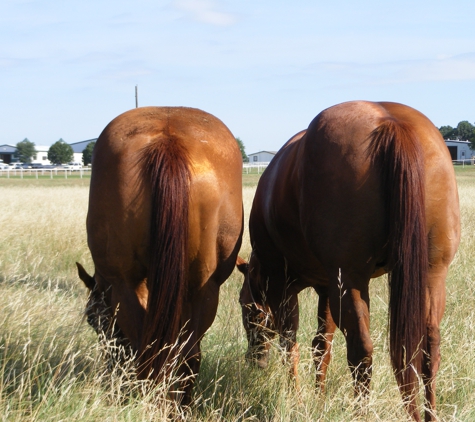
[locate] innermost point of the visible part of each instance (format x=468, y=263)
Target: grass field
x=50, y=360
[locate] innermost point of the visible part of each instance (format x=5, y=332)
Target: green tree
x=25, y=151
x=465, y=130
x=245, y=158
x=87, y=153
x=60, y=152
x=447, y=132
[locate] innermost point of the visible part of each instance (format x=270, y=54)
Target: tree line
x=59, y=153
x=464, y=131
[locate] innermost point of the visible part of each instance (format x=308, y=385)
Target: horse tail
x=395, y=147
x=165, y=162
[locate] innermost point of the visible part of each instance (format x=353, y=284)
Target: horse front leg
x=322, y=343
x=287, y=326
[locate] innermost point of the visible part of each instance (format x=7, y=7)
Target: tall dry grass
x=51, y=365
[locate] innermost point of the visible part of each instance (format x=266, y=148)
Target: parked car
x=14, y=166
x=73, y=166
x=24, y=166
x=4, y=166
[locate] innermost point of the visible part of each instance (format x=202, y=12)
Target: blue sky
x=265, y=68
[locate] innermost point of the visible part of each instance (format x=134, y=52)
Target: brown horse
x=164, y=228
x=369, y=188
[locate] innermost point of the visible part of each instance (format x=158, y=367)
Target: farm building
x=459, y=150
x=7, y=152
x=41, y=156
x=79, y=147
x=261, y=157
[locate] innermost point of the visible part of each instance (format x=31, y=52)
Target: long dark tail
x=166, y=163
x=396, y=149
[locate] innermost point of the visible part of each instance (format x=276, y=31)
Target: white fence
x=469, y=161
x=260, y=166
x=246, y=168
x=7, y=173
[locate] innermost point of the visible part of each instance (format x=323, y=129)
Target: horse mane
x=395, y=148
x=166, y=164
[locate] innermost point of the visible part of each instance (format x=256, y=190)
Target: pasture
x=50, y=360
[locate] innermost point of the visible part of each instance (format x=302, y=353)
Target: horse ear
x=85, y=277
x=242, y=265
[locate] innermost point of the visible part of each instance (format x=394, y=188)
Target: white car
x=73, y=166
x=4, y=166
x=23, y=166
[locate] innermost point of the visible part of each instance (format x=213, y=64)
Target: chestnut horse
x=164, y=227
x=368, y=189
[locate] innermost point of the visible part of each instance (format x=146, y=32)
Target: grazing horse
x=367, y=189
x=164, y=227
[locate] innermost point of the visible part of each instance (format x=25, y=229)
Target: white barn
x=41, y=156
x=459, y=150
x=261, y=157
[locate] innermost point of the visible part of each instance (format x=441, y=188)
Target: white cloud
x=440, y=69
x=204, y=11
x=456, y=68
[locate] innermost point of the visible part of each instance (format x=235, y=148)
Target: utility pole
x=136, y=97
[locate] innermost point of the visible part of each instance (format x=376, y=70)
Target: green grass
x=50, y=360
x=248, y=179
x=44, y=182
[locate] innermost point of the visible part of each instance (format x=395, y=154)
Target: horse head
x=256, y=316
x=99, y=313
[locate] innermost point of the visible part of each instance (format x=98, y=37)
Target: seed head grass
x=54, y=368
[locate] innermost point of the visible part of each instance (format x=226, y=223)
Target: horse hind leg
x=322, y=343
x=431, y=356
x=431, y=359
x=349, y=304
